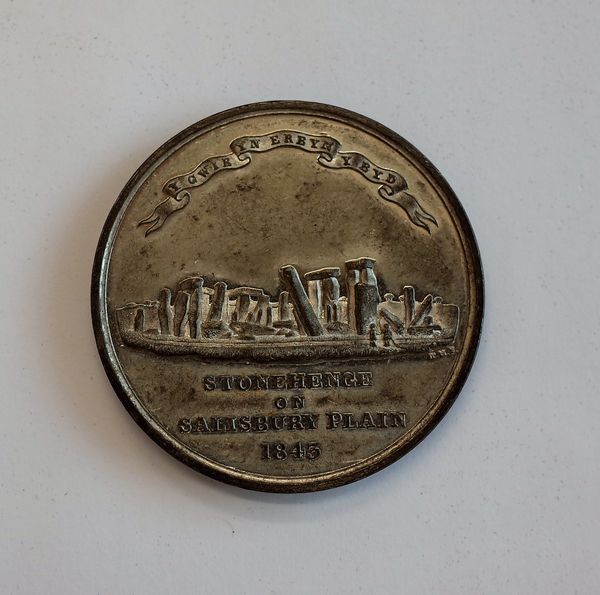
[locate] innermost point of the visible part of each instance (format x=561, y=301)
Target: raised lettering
x=185, y=425
x=244, y=383
x=334, y=419
x=280, y=403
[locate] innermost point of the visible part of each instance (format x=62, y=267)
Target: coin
x=287, y=296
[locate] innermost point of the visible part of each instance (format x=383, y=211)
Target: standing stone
x=315, y=296
x=361, y=275
x=284, y=312
x=367, y=298
x=193, y=286
x=242, y=308
x=352, y=280
x=436, y=309
x=217, y=306
x=269, y=321
x=331, y=297
x=182, y=308
x=284, y=307
x=138, y=323
x=324, y=292
x=195, y=315
x=260, y=314
x=165, y=311
x=409, y=305
x=422, y=311
x=307, y=318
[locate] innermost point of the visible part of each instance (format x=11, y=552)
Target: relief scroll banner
x=392, y=185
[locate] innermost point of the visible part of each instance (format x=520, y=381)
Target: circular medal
x=287, y=296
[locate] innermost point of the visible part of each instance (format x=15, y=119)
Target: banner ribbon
x=392, y=186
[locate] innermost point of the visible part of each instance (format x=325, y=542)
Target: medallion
x=287, y=296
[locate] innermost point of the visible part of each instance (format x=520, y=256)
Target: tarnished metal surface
x=287, y=296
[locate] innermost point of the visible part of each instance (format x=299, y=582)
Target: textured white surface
x=503, y=496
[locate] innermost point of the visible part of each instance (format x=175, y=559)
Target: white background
x=503, y=497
